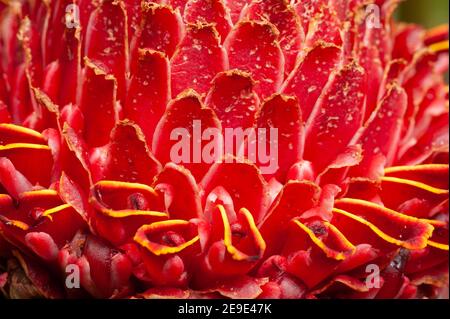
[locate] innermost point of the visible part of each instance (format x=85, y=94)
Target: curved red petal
x=181, y=192
x=149, y=91
x=98, y=104
x=169, y=25
x=398, y=193
x=129, y=158
x=252, y=42
x=197, y=60
x=307, y=81
x=236, y=7
x=283, y=113
x=106, y=41
x=209, y=11
x=285, y=19
x=167, y=249
x=390, y=226
x=11, y=133
x=295, y=198
x=187, y=118
x=233, y=99
x=382, y=132
x=39, y=171
x=336, y=117
x=434, y=175
x=121, y=208
x=315, y=250
x=250, y=193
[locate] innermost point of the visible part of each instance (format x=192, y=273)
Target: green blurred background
x=428, y=13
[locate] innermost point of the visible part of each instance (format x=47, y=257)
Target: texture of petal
x=248, y=45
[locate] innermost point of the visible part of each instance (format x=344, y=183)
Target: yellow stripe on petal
x=123, y=213
x=21, y=129
x=235, y=253
x=434, y=222
x=439, y=46
x=15, y=223
x=260, y=242
x=438, y=245
x=23, y=145
x=39, y=192
x=158, y=249
x=49, y=212
x=19, y=224
x=376, y=206
x=382, y=234
x=227, y=236
x=117, y=184
x=341, y=236
x=415, y=168
x=330, y=253
x=130, y=212
x=428, y=188
x=5, y=197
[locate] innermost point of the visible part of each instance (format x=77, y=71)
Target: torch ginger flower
x=91, y=92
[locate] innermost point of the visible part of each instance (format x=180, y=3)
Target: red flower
x=93, y=92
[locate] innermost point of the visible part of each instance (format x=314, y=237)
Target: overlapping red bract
x=86, y=176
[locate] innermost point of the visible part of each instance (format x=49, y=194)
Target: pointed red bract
x=180, y=191
x=254, y=47
x=169, y=25
x=289, y=204
x=178, y=4
x=337, y=116
x=66, y=67
x=251, y=193
x=233, y=99
x=307, y=81
x=107, y=40
x=283, y=113
x=324, y=26
x=129, y=163
x=236, y=7
x=380, y=138
x=285, y=19
x=149, y=91
x=209, y=11
x=98, y=104
x=183, y=116
x=128, y=157
x=201, y=44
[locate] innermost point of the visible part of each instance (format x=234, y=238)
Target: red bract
x=91, y=93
